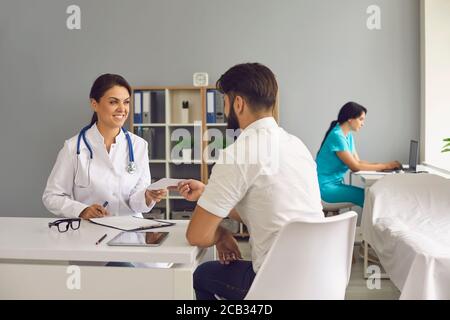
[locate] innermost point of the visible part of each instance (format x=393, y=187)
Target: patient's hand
x=227, y=248
x=191, y=189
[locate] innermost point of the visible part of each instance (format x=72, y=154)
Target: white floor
x=357, y=288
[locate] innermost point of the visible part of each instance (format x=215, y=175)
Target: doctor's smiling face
x=112, y=108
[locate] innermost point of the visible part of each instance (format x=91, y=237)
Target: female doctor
x=104, y=162
x=337, y=154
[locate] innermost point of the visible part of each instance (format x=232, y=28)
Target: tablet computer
x=139, y=239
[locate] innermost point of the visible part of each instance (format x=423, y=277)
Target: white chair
x=308, y=260
x=333, y=209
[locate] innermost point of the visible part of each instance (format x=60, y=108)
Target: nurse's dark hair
x=104, y=83
x=350, y=110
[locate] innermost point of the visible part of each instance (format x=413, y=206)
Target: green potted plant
x=446, y=147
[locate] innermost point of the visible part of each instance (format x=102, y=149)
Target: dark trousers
x=231, y=281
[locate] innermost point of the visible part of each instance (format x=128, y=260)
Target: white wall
x=435, y=81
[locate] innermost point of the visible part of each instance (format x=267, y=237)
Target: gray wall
x=320, y=50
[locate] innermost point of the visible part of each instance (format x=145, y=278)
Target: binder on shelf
x=149, y=135
x=157, y=106
x=210, y=107
x=220, y=113
x=137, y=107
x=139, y=131
x=146, y=101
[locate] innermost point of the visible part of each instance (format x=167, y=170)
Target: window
x=435, y=126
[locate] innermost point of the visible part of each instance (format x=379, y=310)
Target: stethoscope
x=131, y=167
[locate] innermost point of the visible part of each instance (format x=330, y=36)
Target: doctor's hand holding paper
x=104, y=162
x=155, y=195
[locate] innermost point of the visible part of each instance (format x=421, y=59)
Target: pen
x=103, y=205
x=101, y=239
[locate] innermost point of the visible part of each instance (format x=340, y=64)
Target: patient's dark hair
x=254, y=82
x=350, y=110
x=104, y=83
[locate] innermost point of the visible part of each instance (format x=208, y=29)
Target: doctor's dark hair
x=253, y=81
x=350, y=110
x=104, y=83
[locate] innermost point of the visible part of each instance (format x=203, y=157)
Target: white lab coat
x=75, y=184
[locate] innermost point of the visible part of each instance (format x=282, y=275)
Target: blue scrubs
x=331, y=170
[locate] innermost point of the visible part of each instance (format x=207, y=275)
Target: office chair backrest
x=308, y=260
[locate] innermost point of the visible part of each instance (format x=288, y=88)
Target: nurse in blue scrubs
x=337, y=154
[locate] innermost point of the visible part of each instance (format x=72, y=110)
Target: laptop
x=413, y=159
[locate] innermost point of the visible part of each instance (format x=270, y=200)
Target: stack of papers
x=129, y=223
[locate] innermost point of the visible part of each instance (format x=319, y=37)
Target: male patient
x=264, y=179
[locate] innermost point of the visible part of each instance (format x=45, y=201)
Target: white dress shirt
x=267, y=188
x=77, y=182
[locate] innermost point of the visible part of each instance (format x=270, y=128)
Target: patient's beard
x=232, y=120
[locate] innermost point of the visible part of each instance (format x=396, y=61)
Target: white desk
x=370, y=179
x=35, y=263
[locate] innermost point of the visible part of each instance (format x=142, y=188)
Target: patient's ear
x=239, y=105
